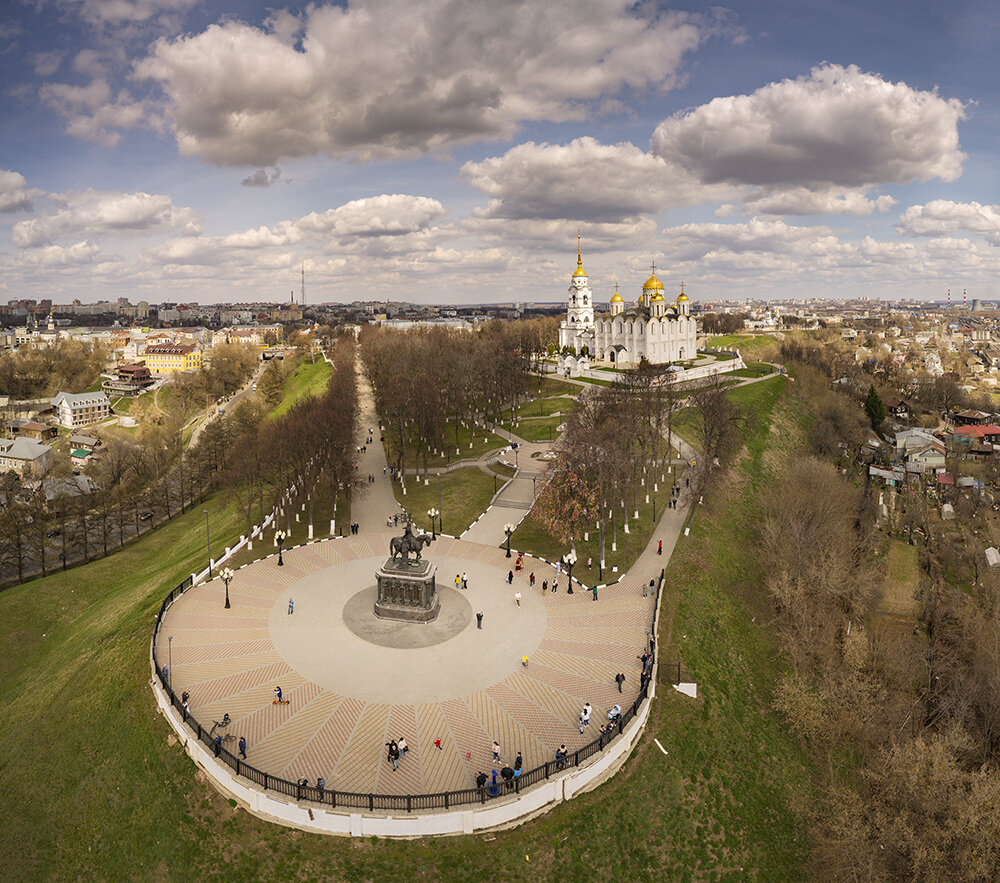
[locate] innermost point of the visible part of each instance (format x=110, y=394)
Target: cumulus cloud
x=582, y=179
x=262, y=178
x=14, y=193
x=394, y=78
x=92, y=112
x=58, y=256
x=93, y=213
x=941, y=216
x=768, y=238
x=836, y=128
x=386, y=215
x=124, y=12
x=803, y=201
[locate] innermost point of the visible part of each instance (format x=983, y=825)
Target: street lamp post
x=170, y=660
x=654, y=508
x=570, y=560
x=279, y=538
x=227, y=575
x=508, y=529
x=432, y=514
x=208, y=538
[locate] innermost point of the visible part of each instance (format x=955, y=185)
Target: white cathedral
x=649, y=329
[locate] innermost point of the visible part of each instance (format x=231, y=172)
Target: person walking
x=517, y=598
x=561, y=754
x=437, y=744
x=393, y=757
x=465, y=580
x=481, y=780
x=594, y=590
x=243, y=747
x=496, y=751
x=518, y=763
x=555, y=586
x=403, y=747
x=458, y=581
x=619, y=680
x=659, y=547
x=586, y=713
x=277, y=694
x=545, y=586
x=531, y=579
x=291, y=606
x=510, y=577
x=524, y=661
x=479, y=620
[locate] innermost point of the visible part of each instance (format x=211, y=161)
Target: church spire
x=579, y=271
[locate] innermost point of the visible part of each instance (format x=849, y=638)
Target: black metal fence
x=392, y=802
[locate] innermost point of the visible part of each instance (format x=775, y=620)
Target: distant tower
x=949, y=298
x=303, y=300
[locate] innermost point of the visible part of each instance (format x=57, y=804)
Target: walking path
x=354, y=682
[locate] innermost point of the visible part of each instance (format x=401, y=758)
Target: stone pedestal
x=406, y=591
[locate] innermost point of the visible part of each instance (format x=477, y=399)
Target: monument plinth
x=406, y=589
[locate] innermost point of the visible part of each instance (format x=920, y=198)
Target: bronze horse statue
x=408, y=542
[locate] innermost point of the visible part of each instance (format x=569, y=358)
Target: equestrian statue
x=408, y=542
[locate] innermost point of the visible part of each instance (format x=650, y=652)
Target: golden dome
x=682, y=298
x=652, y=283
x=657, y=297
x=616, y=298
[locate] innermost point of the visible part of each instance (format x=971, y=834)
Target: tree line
x=429, y=384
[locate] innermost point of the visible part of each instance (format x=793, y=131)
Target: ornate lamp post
x=279, y=538
x=570, y=560
x=508, y=529
x=432, y=514
x=227, y=575
x=208, y=539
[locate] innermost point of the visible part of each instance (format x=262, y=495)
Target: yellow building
x=171, y=358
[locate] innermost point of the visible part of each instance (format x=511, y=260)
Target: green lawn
x=552, y=386
x=536, y=429
x=742, y=342
x=546, y=407
x=463, y=496
x=306, y=380
x=531, y=536
x=733, y=769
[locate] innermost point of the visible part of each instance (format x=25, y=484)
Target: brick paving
x=348, y=697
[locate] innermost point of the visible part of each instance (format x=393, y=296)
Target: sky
x=449, y=151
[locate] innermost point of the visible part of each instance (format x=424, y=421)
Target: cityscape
x=478, y=442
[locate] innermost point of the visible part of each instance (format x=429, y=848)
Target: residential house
x=37, y=431
x=911, y=438
x=77, y=486
x=899, y=409
x=79, y=409
x=130, y=381
x=20, y=454
x=971, y=418
x=930, y=455
x=84, y=442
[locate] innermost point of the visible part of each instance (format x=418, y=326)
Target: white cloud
x=93, y=213
x=57, y=256
x=14, y=193
x=92, y=113
x=941, y=216
x=803, y=201
x=124, y=12
x=836, y=128
x=583, y=180
x=394, y=78
x=386, y=215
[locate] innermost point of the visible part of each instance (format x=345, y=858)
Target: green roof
x=80, y=452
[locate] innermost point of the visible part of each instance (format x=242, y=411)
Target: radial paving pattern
x=349, y=696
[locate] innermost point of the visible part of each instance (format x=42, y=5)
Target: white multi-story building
x=79, y=409
x=648, y=329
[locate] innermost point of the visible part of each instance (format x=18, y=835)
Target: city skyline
x=167, y=150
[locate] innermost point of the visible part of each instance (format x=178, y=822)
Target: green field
x=743, y=342
x=464, y=494
x=536, y=429
x=472, y=444
x=306, y=380
x=546, y=407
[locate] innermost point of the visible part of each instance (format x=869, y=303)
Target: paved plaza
x=354, y=682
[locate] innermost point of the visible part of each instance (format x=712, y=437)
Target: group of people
x=371, y=478
x=462, y=582
x=507, y=772
x=355, y=527
x=397, y=749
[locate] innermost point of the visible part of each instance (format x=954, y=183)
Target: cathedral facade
x=647, y=329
